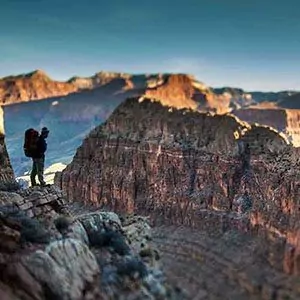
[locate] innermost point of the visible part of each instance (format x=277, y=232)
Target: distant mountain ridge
x=32, y=86
x=73, y=108
x=37, y=85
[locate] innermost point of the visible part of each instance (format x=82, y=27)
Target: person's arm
x=42, y=146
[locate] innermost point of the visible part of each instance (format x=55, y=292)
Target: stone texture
x=10, y=197
x=138, y=231
x=72, y=267
x=181, y=167
x=229, y=265
x=40, y=202
x=160, y=159
x=84, y=255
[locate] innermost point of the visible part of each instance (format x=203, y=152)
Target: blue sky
x=254, y=44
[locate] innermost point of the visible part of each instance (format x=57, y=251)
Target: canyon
x=219, y=210
x=81, y=103
x=221, y=192
x=51, y=248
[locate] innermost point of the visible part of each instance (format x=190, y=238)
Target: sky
x=251, y=44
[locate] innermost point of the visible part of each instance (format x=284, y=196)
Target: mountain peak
x=37, y=74
x=32, y=86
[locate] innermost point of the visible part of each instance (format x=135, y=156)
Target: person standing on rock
x=38, y=158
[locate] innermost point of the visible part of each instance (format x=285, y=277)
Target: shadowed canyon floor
x=229, y=266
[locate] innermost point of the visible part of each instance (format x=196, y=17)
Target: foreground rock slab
x=60, y=254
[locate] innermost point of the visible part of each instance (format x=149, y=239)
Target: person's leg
x=40, y=171
x=33, y=172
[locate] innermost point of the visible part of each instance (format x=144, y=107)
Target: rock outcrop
x=213, y=173
x=183, y=91
x=181, y=166
x=166, y=154
x=89, y=254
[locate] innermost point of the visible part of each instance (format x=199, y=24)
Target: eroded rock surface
x=227, y=265
x=89, y=254
x=213, y=173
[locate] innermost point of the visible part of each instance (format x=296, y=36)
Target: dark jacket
x=41, y=148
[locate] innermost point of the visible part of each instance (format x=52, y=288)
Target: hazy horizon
x=252, y=45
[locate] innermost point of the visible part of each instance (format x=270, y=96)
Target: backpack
x=30, y=142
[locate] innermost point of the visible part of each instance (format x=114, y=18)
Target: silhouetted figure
x=38, y=158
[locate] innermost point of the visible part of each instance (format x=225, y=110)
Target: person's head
x=44, y=132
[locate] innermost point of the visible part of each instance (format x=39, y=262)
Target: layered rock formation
x=37, y=85
x=150, y=159
x=151, y=135
x=184, y=91
x=214, y=173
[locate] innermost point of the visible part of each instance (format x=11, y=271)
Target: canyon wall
x=185, y=167
x=155, y=146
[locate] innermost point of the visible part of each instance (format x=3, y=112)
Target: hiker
x=38, y=158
